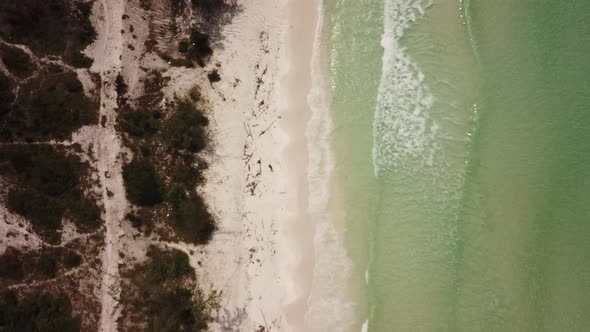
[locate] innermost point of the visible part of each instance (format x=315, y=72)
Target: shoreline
x=300, y=227
x=262, y=256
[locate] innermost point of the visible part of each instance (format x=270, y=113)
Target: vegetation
x=37, y=312
x=178, y=7
x=71, y=260
x=47, y=266
x=185, y=129
x=50, y=107
x=214, y=76
x=140, y=123
x=200, y=48
x=11, y=266
x=152, y=87
x=6, y=96
x=160, y=295
x=166, y=266
x=183, y=46
x=121, y=88
x=142, y=183
x=192, y=220
x=80, y=60
x=16, y=61
x=46, y=187
x=42, y=264
x=58, y=27
x=173, y=170
x=216, y=12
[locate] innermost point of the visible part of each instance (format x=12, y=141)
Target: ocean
x=460, y=142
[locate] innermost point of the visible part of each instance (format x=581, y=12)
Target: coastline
x=300, y=228
x=262, y=256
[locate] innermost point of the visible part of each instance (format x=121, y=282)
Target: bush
x=11, y=266
x=44, y=212
x=141, y=183
x=192, y=220
x=134, y=219
x=174, y=310
x=166, y=266
x=152, y=87
x=178, y=7
x=6, y=99
x=214, y=76
x=140, y=123
x=46, y=266
x=80, y=60
x=120, y=86
x=47, y=186
x=201, y=50
x=50, y=107
x=16, y=60
x=185, y=129
x=59, y=27
x=213, y=10
x=71, y=259
x=37, y=313
x=160, y=294
x=183, y=46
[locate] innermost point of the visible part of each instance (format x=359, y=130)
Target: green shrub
x=178, y=7
x=59, y=27
x=161, y=297
x=51, y=106
x=46, y=266
x=37, y=312
x=47, y=186
x=16, y=61
x=139, y=123
x=71, y=259
x=120, y=86
x=44, y=212
x=176, y=310
x=200, y=50
x=80, y=60
x=192, y=220
x=183, y=46
x=134, y=219
x=214, y=76
x=11, y=266
x=185, y=129
x=141, y=183
x=6, y=99
x=166, y=266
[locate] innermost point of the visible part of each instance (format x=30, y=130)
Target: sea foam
x=328, y=307
x=402, y=127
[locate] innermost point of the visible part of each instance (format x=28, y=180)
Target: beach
x=261, y=256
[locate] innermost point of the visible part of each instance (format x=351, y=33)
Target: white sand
x=106, y=51
x=261, y=256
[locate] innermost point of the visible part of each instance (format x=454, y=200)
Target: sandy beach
x=261, y=257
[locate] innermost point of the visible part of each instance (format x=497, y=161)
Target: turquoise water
x=462, y=144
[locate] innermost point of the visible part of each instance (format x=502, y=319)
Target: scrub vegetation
x=166, y=168
x=52, y=106
x=59, y=27
x=16, y=61
x=161, y=294
x=46, y=185
x=37, y=312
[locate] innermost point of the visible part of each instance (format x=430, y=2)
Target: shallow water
x=461, y=141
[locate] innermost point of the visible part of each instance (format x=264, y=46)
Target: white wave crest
x=402, y=127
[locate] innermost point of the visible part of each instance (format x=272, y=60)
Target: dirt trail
x=106, y=52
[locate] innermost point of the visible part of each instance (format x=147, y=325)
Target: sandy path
x=106, y=52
